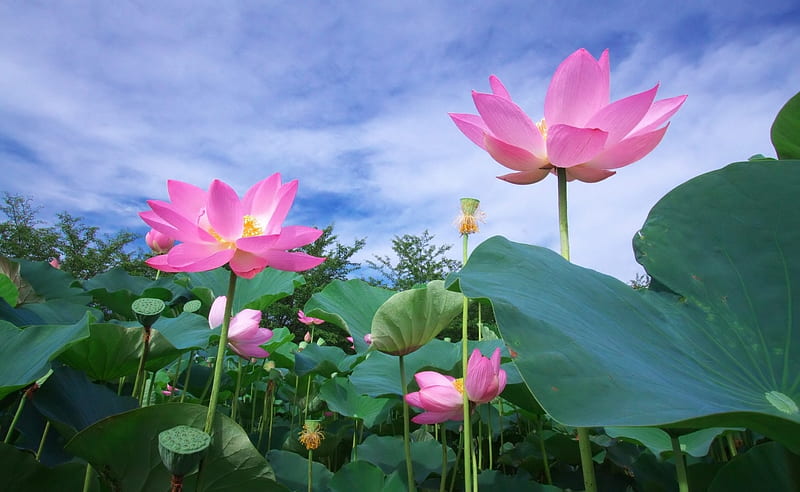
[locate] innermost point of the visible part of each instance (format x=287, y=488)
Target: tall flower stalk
x=223, y=342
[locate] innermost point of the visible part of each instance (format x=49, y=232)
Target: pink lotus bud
x=368, y=338
x=158, y=242
x=55, y=263
x=307, y=337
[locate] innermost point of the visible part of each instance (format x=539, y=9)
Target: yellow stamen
x=459, y=385
x=311, y=436
x=542, y=126
x=251, y=227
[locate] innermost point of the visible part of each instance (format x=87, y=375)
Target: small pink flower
x=368, y=338
x=581, y=131
x=216, y=228
x=442, y=396
x=169, y=391
x=308, y=320
x=352, y=343
x=245, y=336
x=158, y=242
x=307, y=337
x=55, y=263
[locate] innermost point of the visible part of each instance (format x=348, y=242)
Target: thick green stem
x=310, y=469
x=87, y=478
x=464, y=362
x=680, y=464
x=406, y=428
x=138, y=384
x=188, y=373
x=585, y=446
x=42, y=440
x=443, y=479
x=16, y=417
x=223, y=342
x=543, y=450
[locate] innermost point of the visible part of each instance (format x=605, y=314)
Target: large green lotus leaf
x=21, y=472
x=257, y=293
x=785, y=131
x=768, y=466
x=495, y=480
x=343, y=398
x=369, y=478
x=291, y=470
x=52, y=283
x=386, y=452
x=350, y=305
x=379, y=374
x=8, y=291
x=69, y=398
x=724, y=351
x=660, y=444
x=117, y=289
x=25, y=355
x=411, y=318
x=113, y=350
x=124, y=449
x=322, y=359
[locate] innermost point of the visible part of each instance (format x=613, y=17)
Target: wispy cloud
x=101, y=103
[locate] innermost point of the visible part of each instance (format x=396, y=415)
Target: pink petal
x=628, y=151
x=187, y=198
x=508, y=122
x=243, y=324
x=161, y=263
x=217, y=312
x=620, y=117
x=283, y=202
x=569, y=146
x=438, y=417
x=225, y=211
x=413, y=399
x=525, y=177
x=659, y=113
x=198, y=257
x=248, y=351
x=511, y=156
x=291, y=261
x=587, y=174
x=292, y=237
x=579, y=88
x=247, y=265
x=498, y=89
x=433, y=378
x=472, y=126
x=258, y=200
x=440, y=398
x=182, y=229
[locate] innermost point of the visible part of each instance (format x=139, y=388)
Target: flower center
x=542, y=126
x=251, y=227
x=459, y=385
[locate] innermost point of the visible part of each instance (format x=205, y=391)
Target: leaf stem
x=406, y=428
x=680, y=463
x=584, y=445
x=223, y=342
x=14, y=420
x=235, y=401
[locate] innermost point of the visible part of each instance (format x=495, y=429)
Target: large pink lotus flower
x=215, y=228
x=245, y=336
x=158, y=242
x=581, y=130
x=442, y=396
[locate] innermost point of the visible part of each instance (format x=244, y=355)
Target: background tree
x=80, y=248
x=419, y=261
x=337, y=266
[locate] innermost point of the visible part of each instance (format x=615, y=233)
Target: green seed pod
x=182, y=448
x=147, y=310
x=192, y=306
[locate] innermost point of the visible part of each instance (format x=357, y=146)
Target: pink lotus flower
x=368, y=338
x=169, y=391
x=55, y=263
x=581, y=130
x=215, y=228
x=442, y=396
x=158, y=242
x=308, y=320
x=307, y=337
x=245, y=336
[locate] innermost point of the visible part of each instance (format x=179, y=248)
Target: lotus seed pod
x=182, y=448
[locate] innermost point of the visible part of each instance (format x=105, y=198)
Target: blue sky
x=102, y=102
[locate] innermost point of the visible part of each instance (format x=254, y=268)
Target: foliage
x=418, y=261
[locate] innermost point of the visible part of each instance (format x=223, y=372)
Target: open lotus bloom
x=442, y=396
x=245, y=336
x=581, y=131
x=216, y=227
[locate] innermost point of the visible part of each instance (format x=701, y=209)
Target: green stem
x=464, y=362
x=87, y=478
x=235, y=402
x=584, y=445
x=731, y=444
x=458, y=459
x=223, y=342
x=188, y=373
x=543, y=450
x=443, y=480
x=354, y=451
x=16, y=417
x=406, y=428
x=41, y=442
x=120, y=385
x=139, y=382
x=680, y=464
x=310, y=469
x=308, y=394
